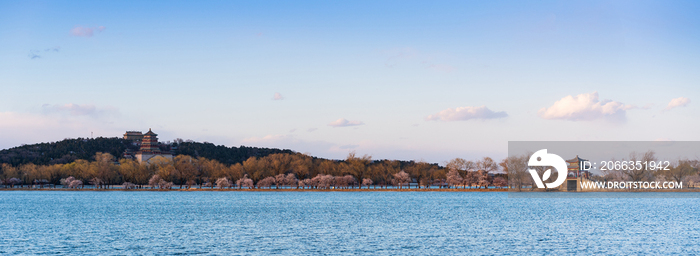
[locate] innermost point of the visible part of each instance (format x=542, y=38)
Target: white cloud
x=585, y=107
x=344, y=123
x=85, y=31
x=466, y=113
x=277, y=96
x=677, y=102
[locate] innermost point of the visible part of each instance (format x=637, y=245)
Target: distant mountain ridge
x=69, y=150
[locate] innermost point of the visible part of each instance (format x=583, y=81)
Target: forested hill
x=69, y=150
x=223, y=154
x=64, y=151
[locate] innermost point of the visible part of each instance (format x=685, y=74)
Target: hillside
x=223, y=154
x=69, y=150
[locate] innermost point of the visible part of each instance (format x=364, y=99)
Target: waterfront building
x=574, y=173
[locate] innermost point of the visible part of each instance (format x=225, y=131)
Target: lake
x=345, y=223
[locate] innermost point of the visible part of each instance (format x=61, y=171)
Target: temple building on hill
x=133, y=135
x=150, y=149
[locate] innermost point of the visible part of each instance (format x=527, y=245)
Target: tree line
x=274, y=171
x=679, y=170
x=69, y=150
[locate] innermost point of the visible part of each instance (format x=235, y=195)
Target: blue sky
x=421, y=80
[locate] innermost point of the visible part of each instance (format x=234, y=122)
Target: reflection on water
x=293, y=223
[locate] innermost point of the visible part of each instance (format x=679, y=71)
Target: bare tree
x=680, y=170
x=323, y=181
x=244, y=182
x=266, y=182
x=75, y=184
x=517, y=171
x=162, y=184
x=223, y=183
x=453, y=178
x=471, y=179
x=500, y=182
x=461, y=165
x=367, y=182
x=13, y=181
x=190, y=183
x=291, y=180
x=306, y=183
x=327, y=181
x=645, y=172
x=349, y=180
x=97, y=182
x=66, y=182
x=483, y=179
x=487, y=165
x=280, y=180
x=153, y=182
x=402, y=178
x=129, y=185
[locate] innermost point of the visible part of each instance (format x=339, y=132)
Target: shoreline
x=261, y=190
x=339, y=190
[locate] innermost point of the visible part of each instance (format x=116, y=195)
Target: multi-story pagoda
x=575, y=174
x=150, y=149
x=574, y=168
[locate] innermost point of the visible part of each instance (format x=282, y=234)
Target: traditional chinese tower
x=149, y=148
x=149, y=143
x=575, y=174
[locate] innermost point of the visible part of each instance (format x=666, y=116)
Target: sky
x=408, y=80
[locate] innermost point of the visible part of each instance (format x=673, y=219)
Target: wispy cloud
x=34, y=55
x=344, y=123
x=277, y=96
x=466, y=113
x=585, y=107
x=37, y=54
x=311, y=129
x=80, y=110
x=86, y=31
x=677, y=102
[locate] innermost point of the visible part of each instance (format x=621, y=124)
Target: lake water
x=349, y=223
